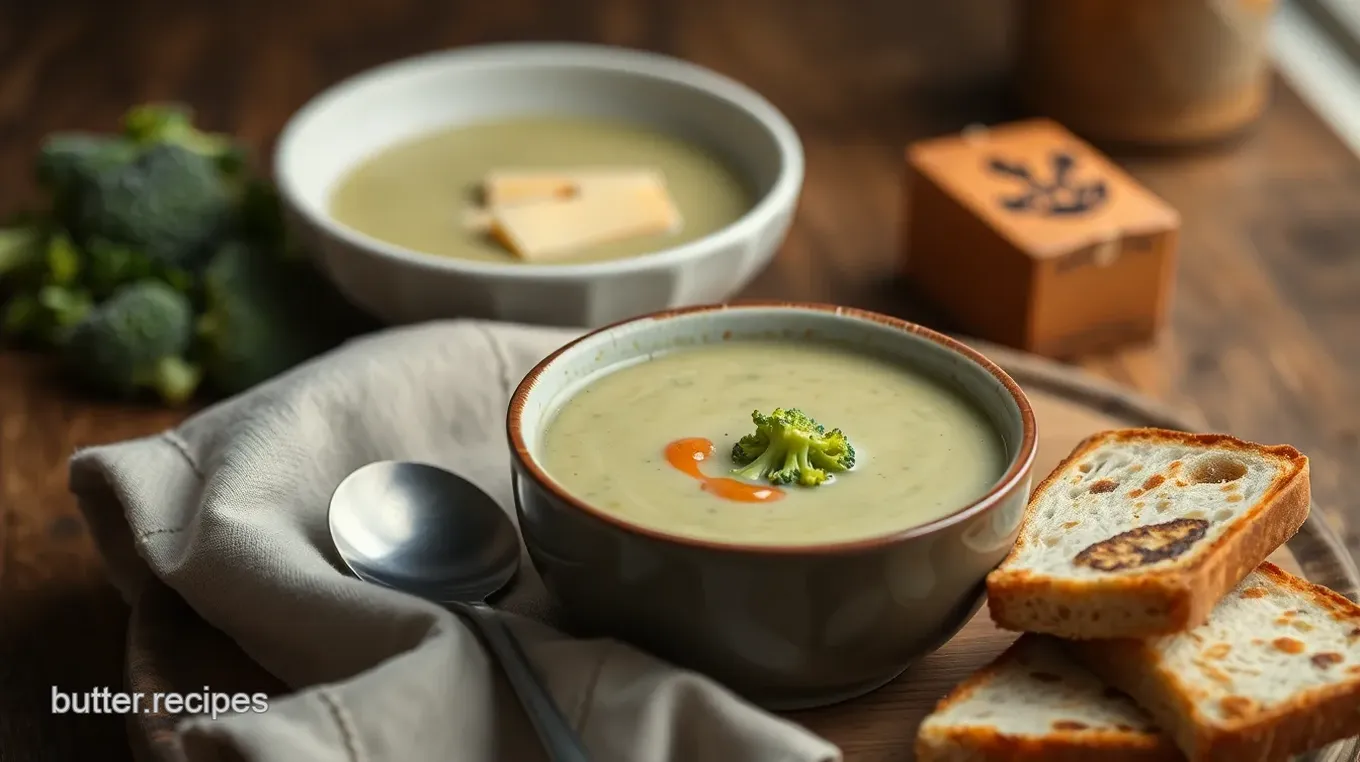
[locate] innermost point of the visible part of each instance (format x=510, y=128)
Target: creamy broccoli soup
x=417, y=194
x=653, y=444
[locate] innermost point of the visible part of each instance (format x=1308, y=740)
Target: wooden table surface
x=1265, y=338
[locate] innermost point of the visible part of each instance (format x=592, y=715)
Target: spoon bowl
x=423, y=530
x=419, y=529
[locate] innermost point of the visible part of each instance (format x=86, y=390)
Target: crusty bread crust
x=1158, y=601
x=973, y=744
x=1306, y=721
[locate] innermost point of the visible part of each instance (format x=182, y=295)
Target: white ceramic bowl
x=360, y=116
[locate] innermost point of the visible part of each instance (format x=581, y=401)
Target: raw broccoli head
x=67, y=157
x=789, y=447
x=263, y=314
x=173, y=123
x=162, y=189
x=50, y=282
x=136, y=340
x=167, y=202
x=41, y=272
x=107, y=266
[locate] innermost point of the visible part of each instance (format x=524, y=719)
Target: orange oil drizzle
x=685, y=455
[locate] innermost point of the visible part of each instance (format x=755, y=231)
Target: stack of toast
x=1154, y=628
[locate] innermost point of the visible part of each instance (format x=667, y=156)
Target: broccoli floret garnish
x=789, y=447
x=136, y=340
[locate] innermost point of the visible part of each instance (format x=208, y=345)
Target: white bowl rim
x=1018, y=472
x=782, y=194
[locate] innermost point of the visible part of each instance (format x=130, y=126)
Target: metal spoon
x=422, y=530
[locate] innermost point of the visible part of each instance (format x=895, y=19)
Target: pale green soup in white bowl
x=378, y=173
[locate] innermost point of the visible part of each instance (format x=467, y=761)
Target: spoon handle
x=556, y=734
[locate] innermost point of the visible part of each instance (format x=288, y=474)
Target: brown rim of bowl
x=1003, y=487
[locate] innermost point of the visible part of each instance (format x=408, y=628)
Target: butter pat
x=517, y=186
x=539, y=231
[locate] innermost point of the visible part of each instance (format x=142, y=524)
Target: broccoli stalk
x=789, y=447
x=136, y=340
x=173, y=378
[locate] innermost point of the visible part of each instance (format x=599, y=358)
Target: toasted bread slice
x=1034, y=704
x=1139, y=532
x=1274, y=672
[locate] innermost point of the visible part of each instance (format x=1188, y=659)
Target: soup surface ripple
x=923, y=450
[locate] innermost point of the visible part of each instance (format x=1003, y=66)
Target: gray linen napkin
x=229, y=510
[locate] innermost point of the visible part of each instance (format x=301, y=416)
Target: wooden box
x=1027, y=236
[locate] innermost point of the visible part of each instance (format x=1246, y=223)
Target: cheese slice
x=541, y=231
x=516, y=186
x=478, y=219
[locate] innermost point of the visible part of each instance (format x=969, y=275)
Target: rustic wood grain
x=61, y=625
x=1264, y=338
x=172, y=649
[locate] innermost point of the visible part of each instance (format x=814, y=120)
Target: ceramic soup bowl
x=380, y=108
x=786, y=626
